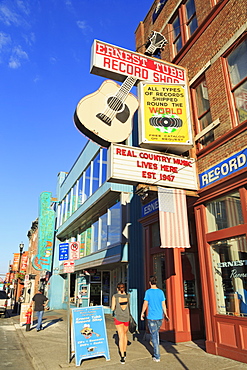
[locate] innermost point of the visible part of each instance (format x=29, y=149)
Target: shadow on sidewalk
x=47, y=323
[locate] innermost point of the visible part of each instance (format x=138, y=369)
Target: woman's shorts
x=116, y=322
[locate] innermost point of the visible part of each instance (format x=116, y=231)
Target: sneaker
x=38, y=329
x=124, y=354
x=122, y=361
x=156, y=359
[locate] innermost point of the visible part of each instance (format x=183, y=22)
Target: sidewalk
x=48, y=349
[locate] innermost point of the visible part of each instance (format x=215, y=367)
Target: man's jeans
x=40, y=316
x=154, y=327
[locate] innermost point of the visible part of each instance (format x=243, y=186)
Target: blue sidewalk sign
x=89, y=330
x=63, y=251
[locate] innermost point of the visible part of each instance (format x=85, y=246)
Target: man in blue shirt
x=154, y=301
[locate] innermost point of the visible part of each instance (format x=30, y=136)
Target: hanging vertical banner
x=174, y=229
x=43, y=259
x=15, y=265
x=90, y=337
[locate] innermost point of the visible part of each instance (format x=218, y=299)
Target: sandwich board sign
x=89, y=333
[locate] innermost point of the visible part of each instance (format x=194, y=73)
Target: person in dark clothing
x=40, y=301
x=120, y=306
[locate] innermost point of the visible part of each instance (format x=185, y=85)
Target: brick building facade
x=208, y=38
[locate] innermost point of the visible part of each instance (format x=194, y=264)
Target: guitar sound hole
x=115, y=104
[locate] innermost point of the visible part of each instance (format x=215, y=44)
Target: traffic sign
x=63, y=251
x=69, y=266
x=74, y=250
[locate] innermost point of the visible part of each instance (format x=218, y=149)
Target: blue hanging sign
x=89, y=330
x=63, y=251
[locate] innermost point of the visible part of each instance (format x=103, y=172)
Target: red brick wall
x=218, y=25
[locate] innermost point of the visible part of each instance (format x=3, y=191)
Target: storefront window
x=229, y=258
x=224, y=212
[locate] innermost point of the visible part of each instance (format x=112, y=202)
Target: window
x=64, y=208
x=95, y=235
x=177, y=36
x=103, y=231
x=88, y=241
x=229, y=259
x=83, y=244
x=87, y=183
x=114, y=226
x=202, y=112
x=80, y=192
x=96, y=172
x=224, y=212
x=104, y=165
x=183, y=25
x=74, y=197
x=237, y=68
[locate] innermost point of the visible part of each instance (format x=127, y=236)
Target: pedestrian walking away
x=154, y=302
x=40, y=302
x=121, y=310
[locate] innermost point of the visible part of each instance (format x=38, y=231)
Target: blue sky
x=45, y=50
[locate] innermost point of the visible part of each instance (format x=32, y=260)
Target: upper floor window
x=237, y=67
x=224, y=212
x=87, y=184
x=202, y=111
x=183, y=24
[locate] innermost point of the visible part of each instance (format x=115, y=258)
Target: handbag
x=132, y=325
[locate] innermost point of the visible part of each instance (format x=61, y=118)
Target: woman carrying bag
x=120, y=306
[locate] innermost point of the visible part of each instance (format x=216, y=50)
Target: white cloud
x=17, y=56
x=53, y=60
x=8, y=17
x=14, y=63
x=5, y=39
x=83, y=26
x=37, y=79
x=23, y=6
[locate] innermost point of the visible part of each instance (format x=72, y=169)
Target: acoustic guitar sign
x=105, y=116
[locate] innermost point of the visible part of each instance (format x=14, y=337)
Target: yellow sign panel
x=165, y=113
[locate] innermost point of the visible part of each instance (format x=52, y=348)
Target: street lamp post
x=21, y=247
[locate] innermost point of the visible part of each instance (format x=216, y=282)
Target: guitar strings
x=119, y=97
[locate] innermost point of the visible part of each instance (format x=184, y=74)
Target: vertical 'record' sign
x=90, y=337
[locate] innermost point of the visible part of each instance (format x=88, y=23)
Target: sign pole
x=68, y=321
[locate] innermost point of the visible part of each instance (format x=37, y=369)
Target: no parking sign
x=74, y=250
